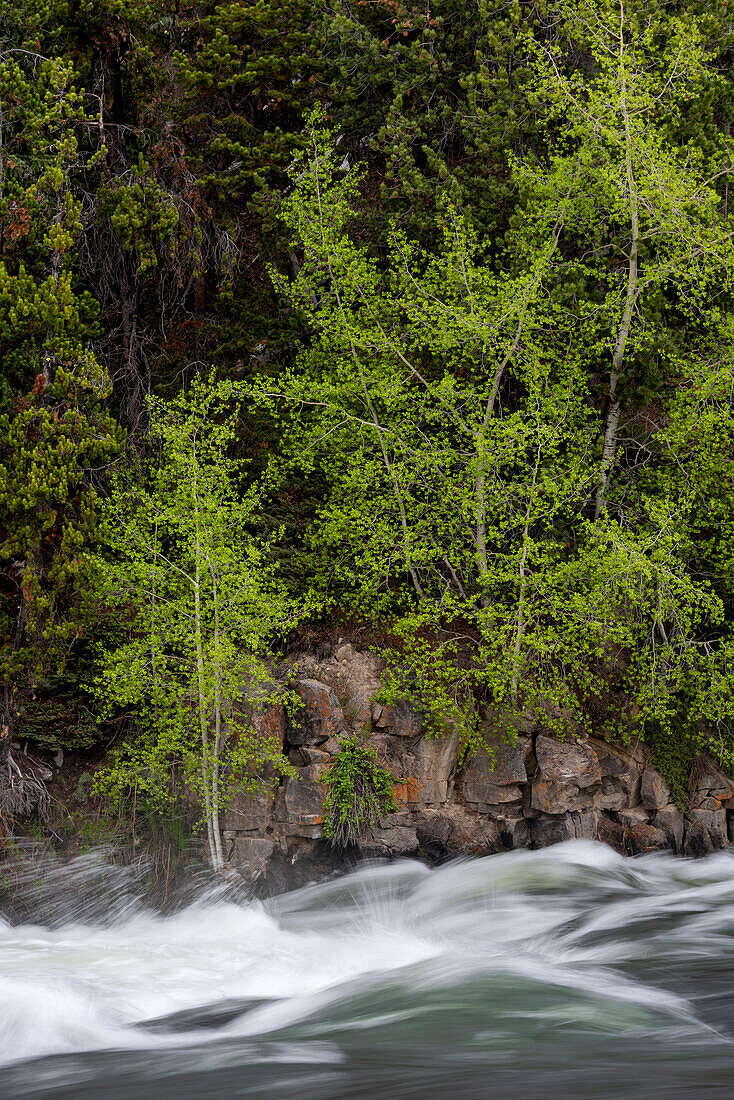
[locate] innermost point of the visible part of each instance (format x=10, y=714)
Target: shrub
x=359, y=792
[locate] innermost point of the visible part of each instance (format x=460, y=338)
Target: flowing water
x=564, y=973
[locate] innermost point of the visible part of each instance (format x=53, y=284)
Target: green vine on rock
x=359, y=793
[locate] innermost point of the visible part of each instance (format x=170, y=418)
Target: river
x=565, y=973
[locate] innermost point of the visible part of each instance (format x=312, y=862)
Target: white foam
x=557, y=916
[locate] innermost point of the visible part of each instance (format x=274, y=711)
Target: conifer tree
x=55, y=431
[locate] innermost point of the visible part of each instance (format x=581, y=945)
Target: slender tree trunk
x=6, y=727
x=390, y=469
x=380, y=432
x=6, y=714
x=522, y=584
x=202, y=709
x=480, y=443
x=480, y=482
x=206, y=764
x=614, y=407
x=480, y=438
x=153, y=663
x=217, y=749
x=519, y=627
x=2, y=152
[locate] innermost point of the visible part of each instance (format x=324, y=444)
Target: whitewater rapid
x=568, y=972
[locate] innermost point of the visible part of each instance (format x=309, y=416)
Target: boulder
x=433, y=830
x=612, y=833
x=355, y=675
x=613, y=763
x=304, y=861
x=297, y=828
x=547, y=829
x=654, y=793
x=641, y=838
x=400, y=720
x=697, y=841
x=714, y=822
x=310, y=755
x=637, y=815
x=567, y=761
x=432, y=761
x=585, y=825
x=454, y=830
x=614, y=795
x=318, y=719
x=248, y=812
x=408, y=791
x=492, y=776
x=711, y=787
x=499, y=797
x=271, y=723
x=304, y=797
x=252, y=854
x=414, y=792
x=567, y=771
x=621, y=768
x=391, y=841
x=515, y=832
x=400, y=817
x=670, y=820
x=433, y=792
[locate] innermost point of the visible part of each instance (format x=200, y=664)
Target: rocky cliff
x=534, y=792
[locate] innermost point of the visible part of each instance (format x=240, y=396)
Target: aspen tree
x=197, y=607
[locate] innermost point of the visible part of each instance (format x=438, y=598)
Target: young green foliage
x=197, y=609
x=646, y=248
x=359, y=792
x=449, y=408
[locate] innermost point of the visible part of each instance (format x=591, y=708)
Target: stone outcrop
x=567, y=774
x=526, y=791
x=318, y=719
x=711, y=788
